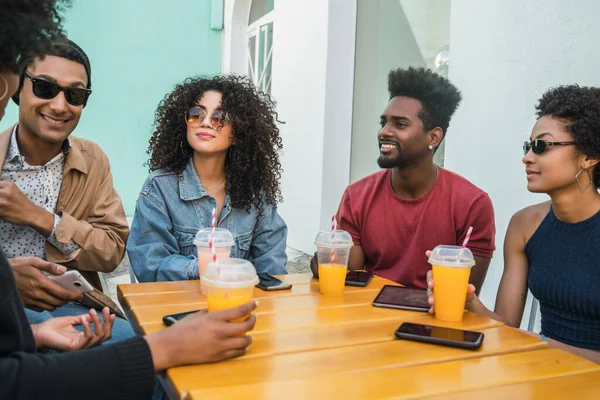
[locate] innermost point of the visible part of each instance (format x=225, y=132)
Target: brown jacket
x=91, y=211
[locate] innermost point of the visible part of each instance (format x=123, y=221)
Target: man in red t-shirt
x=413, y=205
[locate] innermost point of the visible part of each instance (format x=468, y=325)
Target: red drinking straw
x=464, y=245
x=333, y=226
x=211, y=243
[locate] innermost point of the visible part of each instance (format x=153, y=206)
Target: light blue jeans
x=121, y=329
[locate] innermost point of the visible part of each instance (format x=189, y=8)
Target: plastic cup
x=451, y=269
x=333, y=251
x=229, y=283
x=223, y=241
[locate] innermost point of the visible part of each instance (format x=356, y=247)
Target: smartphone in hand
x=72, y=280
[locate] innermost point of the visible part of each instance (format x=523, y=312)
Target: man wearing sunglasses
x=57, y=201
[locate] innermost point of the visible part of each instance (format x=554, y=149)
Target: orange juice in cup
x=229, y=283
x=332, y=278
x=451, y=270
x=333, y=250
x=223, y=241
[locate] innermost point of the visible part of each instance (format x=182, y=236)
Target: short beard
x=387, y=163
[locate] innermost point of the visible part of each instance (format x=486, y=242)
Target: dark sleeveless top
x=564, y=275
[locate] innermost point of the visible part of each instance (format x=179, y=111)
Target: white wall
x=339, y=91
x=504, y=55
x=298, y=85
x=312, y=82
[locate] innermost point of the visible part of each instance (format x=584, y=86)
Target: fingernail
x=256, y=302
x=430, y=283
x=93, y=312
x=251, y=339
x=60, y=269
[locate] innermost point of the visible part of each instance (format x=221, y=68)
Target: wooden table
x=311, y=346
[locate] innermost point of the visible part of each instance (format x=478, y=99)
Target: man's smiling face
x=55, y=119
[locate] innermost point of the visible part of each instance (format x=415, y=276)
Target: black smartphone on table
x=402, y=298
x=173, y=318
x=269, y=283
x=440, y=335
x=358, y=278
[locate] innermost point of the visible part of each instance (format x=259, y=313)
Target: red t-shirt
x=395, y=233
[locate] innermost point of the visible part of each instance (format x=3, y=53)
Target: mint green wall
x=138, y=50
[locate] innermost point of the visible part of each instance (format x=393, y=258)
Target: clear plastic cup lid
x=223, y=238
x=230, y=273
x=452, y=256
x=337, y=239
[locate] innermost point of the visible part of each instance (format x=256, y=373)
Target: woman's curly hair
x=27, y=29
x=253, y=167
x=579, y=107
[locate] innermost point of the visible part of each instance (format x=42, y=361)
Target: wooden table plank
x=581, y=386
x=391, y=353
x=146, y=297
x=333, y=321
x=414, y=381
x=270, y=305
x=194, y=285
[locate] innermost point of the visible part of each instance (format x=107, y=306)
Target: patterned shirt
x=41, y=185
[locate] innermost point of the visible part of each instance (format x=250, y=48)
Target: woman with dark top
x=215, y=146
x=126, y=369
x=553, y=248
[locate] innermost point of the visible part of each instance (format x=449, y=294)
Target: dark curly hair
x=253, y=168
x=438, y=96
x=579, y=108
x=27, y=29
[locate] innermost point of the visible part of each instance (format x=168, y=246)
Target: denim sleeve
x=267, y=251
x=152, y=248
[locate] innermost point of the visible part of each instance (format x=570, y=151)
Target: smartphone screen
x=402, y=298
x=358, y=278
x=269, y=282
x=440, y=335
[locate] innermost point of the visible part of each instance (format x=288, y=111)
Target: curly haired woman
x=215, y=145
x=553, y=248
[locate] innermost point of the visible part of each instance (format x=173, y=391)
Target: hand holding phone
x=402, y=298
x=440, y=335
x=72, y=280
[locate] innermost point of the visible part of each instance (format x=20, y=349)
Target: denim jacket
x=172, y=208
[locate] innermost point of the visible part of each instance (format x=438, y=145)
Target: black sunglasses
x=196, y=115
x=540, y=146
x=47, y=90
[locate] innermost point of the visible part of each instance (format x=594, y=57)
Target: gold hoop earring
x=589, y=177
x=5, y=88
x=186, y=152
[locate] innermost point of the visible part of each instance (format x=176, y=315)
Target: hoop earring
x=229, y=153
x=5, y=88
x=184, y=152
x=577, y=179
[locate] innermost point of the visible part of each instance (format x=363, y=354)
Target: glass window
x=260, y=44
x=259, y=9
